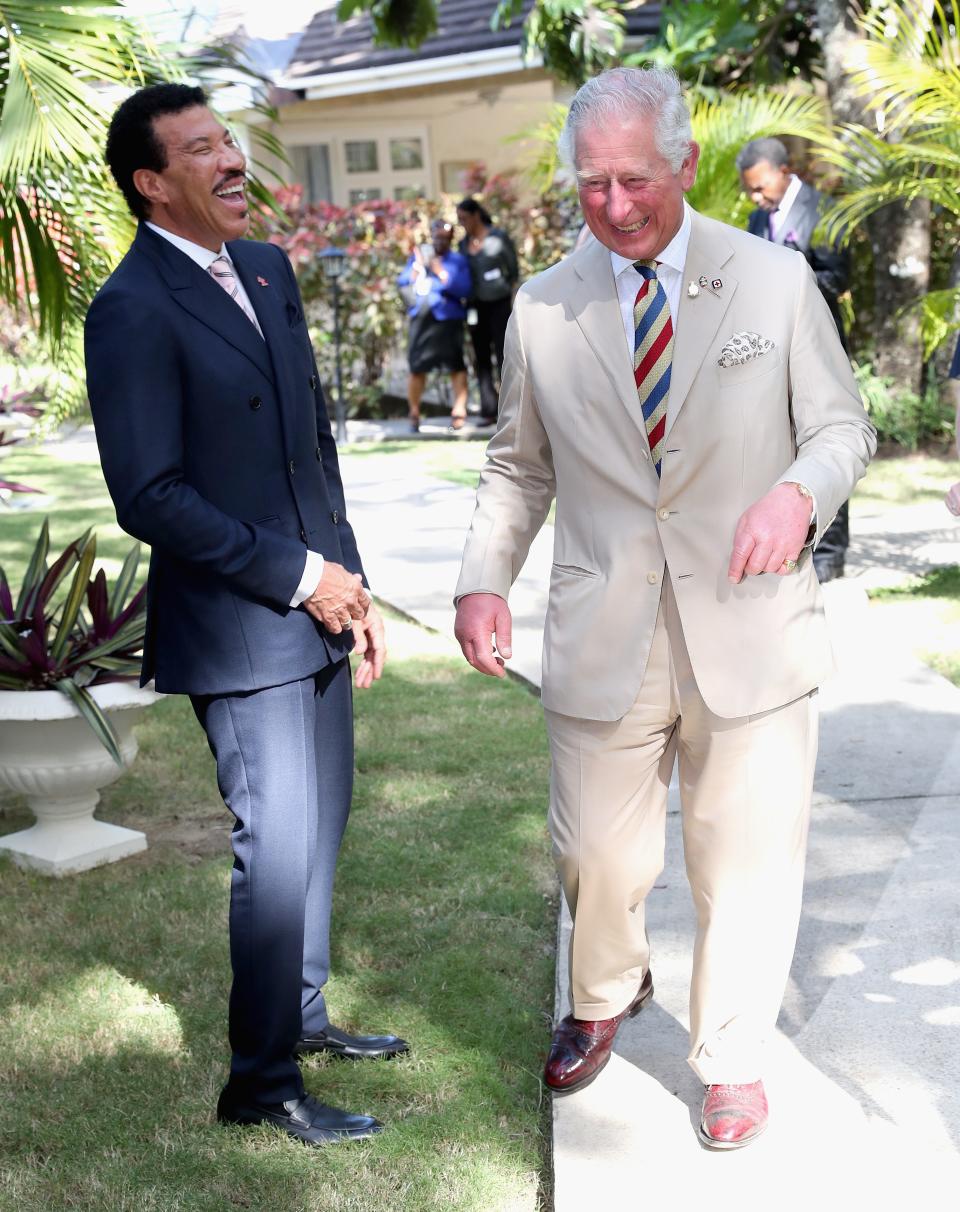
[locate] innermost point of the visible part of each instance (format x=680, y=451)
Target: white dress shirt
x=670, y=265
x=778, y=218
x=313, y=564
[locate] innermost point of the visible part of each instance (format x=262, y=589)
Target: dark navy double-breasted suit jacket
x=216, y=447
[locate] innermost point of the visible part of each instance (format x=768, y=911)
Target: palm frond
x=722, y=125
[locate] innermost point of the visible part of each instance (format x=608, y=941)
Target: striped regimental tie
x=652, y=355
x=222, y=271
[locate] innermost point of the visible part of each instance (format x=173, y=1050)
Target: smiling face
x=766, y=184
x=201, y=194
x=441, y=234
x=631, y=199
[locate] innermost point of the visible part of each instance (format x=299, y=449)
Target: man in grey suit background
x=787, y=211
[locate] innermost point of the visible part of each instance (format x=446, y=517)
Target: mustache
x=232, y=179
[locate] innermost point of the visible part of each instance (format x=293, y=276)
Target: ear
x=150, y=185
x=688, y=169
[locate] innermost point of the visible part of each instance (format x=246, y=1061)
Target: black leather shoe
x=305, y=1119
x=354, y=1047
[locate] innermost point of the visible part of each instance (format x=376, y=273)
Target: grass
x=928, y=609
x=458, y=461
x=113, y=983
x=908, y=479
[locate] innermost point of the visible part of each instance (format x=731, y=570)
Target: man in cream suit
x=680, y=388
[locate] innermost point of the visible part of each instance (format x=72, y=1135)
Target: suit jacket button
x=335, y=516
x=255, y=402
x=319, y=453
x=291, y=467
x=303, y=535
x=313, y=382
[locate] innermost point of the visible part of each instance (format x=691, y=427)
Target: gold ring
x=789, y=565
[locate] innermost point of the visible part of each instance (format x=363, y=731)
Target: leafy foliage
x=723, y=125
x=908, y=66
x=13, y=406
x=395, y=22
x=48, y=645
x=378, y=236
x=576, y=38
x=903, y=417
x=724, y=43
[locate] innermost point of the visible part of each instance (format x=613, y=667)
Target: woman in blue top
x=439, y=281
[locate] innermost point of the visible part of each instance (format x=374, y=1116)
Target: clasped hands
x=340, y=601
x=769, y=538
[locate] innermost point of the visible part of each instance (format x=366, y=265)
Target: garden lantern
x=334, y=262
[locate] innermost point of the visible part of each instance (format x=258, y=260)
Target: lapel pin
x=716, y=284
x=703, y=281
x=693, y=290
x=262, y=281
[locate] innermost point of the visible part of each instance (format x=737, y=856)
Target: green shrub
x=903, y=417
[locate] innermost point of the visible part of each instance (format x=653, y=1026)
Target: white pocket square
x=743, y=347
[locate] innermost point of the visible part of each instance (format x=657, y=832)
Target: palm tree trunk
x=899, y=234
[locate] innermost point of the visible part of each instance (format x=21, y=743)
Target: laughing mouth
x=231, y=189
x=634, y=227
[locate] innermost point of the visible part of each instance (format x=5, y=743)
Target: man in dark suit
x=217, y=451
x=787, y=212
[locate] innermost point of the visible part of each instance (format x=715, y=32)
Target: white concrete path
x=864, y=1079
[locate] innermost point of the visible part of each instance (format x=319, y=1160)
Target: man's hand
x=370, y=646
x=480, y=616
x=338, y=599
x=771, y=531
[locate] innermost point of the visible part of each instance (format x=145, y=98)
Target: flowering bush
x=378, y=236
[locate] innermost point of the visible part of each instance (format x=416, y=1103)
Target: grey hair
x=623, y=93
x=759, y=150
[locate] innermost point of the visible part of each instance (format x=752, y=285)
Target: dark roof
x=329, y=46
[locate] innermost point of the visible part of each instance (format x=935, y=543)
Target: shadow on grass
x=115, y=982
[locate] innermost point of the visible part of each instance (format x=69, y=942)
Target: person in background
x=953, y=495
x=495, y=274
x=436, y=281
x=786, y=212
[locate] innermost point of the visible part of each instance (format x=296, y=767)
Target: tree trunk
x=899, y=234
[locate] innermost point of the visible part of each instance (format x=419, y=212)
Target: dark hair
x=759, y=150
x=132, y=142
x=473, y=207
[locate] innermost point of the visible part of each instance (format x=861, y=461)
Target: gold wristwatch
x=804, y=491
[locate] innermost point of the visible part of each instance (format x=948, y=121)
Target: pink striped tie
x=222, y=271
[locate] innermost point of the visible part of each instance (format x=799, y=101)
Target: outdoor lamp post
x=334, y=262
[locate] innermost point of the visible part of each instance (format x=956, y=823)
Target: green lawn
x=908, y=479
x=113, y=983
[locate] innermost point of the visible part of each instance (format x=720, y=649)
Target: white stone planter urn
x=50, y=754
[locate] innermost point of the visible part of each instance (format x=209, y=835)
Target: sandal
x=414, y=423
x=457, y=423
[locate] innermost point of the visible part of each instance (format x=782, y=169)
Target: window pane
x=406, y=154
x=362, y=156
x=452, y=174
x=403, y=193
x=364, y=195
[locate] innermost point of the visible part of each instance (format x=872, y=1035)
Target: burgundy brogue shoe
x=733, y=1116
x=580, y=1048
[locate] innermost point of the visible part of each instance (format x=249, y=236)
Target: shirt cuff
x=312, y=572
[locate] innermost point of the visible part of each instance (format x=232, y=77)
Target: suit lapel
x=209, y=304
x=597, y=311
x=699, y=317
x=263, y=283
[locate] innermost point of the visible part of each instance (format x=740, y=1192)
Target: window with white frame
x=372, y=165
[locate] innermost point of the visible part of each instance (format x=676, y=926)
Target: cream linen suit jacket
x=571, y=427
